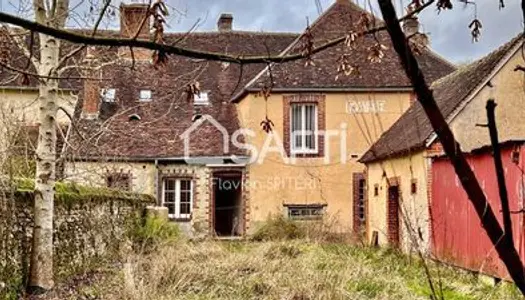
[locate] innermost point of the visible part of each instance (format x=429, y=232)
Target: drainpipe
x=156, y=179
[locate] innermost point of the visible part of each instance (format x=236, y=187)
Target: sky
x=448, y=30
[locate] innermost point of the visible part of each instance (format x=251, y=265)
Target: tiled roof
x=169, y=114
x=339, y=20
x=411, y=131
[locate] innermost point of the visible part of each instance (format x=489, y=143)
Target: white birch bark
x=41, y=270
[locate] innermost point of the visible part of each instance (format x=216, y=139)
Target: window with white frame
x=201, y=98
x=177, y=196
x=303, y=121
x=108, y=95
x=145, y=95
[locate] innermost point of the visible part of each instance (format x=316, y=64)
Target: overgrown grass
x=152, y=233
x=278, y=227
x=286, y=269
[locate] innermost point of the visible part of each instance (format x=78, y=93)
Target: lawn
x=292, y=269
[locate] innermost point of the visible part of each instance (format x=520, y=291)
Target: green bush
x=279, y=228
x=153, y=231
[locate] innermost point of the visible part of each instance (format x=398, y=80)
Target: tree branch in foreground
x=506, y=251
x=176, y=50
x=500, y=173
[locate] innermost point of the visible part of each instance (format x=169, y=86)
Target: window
x=108, y=95
x=376, y=189
x=177, y=196
x=201, y=98
x=303, y=128
x=145, y=95
x=121, y=181
x=360, y=205
x=305, y=212
x=413, y=186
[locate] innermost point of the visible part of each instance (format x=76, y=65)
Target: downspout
x=156, y=180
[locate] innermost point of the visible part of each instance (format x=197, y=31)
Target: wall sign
x=363, y=107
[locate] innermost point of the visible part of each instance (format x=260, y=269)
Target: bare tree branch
x=506, y=251
x=177, y=50
x=500, y=173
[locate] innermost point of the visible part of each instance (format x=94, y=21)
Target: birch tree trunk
x=41, y=270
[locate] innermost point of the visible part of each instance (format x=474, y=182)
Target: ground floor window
x=177, y=196
x=305, y=212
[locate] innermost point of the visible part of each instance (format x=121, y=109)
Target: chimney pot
x=225, y=22
x=411, y=26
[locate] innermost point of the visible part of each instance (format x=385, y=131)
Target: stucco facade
x=403, y=172
x=505, y=86
x=353, y=121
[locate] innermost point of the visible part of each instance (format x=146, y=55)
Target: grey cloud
x=448, y=30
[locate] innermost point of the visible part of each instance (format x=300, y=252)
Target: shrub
x=153, y=231
x=279, y=228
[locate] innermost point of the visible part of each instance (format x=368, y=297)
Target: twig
x=176, y=50
x=506, y=252
x=38, y=76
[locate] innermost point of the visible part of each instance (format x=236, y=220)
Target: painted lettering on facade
x=363, y=107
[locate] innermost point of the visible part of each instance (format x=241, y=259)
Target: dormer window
x=108, y=95
x=134, y=117
x=145, y=95
x=201, y=98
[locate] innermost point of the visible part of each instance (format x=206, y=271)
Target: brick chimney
x=91, y=96
x=135, y=18
x=132, y=20
x=225, y=23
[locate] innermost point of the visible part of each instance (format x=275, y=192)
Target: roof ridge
x=292, y=44
x=370, y=155
x=287, y=33
x=510, y=44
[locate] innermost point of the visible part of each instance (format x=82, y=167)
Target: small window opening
x=376, y=189
x=515, y=156
x=413, y=186
x=306, y=212
x=201, y=98
x=134, y=117
x=119, y=180
x=145, y=95
x=108, y=95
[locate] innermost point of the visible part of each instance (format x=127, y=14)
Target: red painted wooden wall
x=457, y=235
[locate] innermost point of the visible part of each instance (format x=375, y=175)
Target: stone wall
x=89, y=227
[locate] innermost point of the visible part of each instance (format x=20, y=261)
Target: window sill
x=179, y=220
x=305, y=154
